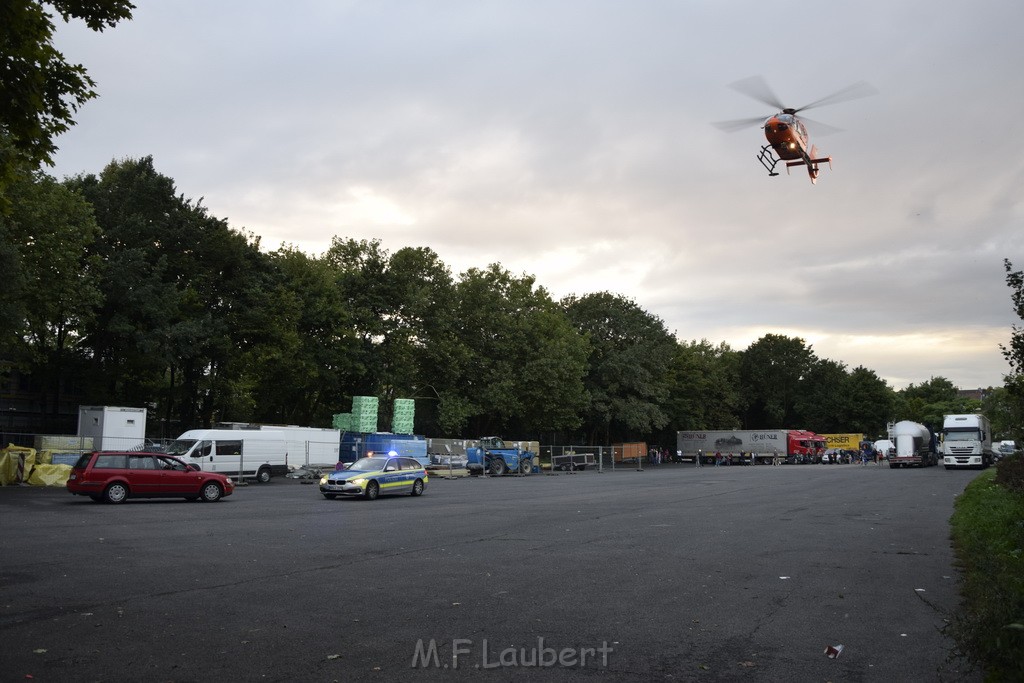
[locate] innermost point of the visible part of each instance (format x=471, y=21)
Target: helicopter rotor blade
x=757, y=88
x=739, y=124
x=820, y=129
x=850, y=92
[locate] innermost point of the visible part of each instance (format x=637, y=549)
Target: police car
x=374, y=476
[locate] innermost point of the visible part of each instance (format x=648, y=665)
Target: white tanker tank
x=913, y=445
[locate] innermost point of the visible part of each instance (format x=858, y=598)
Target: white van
x=241, y=453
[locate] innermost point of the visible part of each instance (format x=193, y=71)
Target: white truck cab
x=966, y=441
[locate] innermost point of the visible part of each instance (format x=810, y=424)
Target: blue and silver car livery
x=371, y=477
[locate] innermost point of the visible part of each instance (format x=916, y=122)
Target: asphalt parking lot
x=674, y=573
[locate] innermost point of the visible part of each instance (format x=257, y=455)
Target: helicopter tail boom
x=812, y=164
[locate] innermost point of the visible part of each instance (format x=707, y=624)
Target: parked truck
x=497, y=458
x=759, y=447
x=843, y=442
x=966, y=441
x=914, y=445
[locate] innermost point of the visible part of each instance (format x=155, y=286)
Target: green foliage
x=53, y=289
x=1013, y=400
x=870, y=402
x=518, y=362
x=1010, y=473
x=772, y=375
x=39, y=90
x=988, y=536
x=629, y=369
x=929, y=401
x=188, y=305
x=306, y=366
x=1005, y=408
x=821, y=402
x=703, y=387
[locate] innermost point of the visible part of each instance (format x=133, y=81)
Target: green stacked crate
x=404, y=412
x=364, y=414
x=342, y=421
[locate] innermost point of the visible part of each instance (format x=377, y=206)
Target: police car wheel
x=417, y=488
x=372, y=490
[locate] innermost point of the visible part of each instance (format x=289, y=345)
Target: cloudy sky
x=572, y=140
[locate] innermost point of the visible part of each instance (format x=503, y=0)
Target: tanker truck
x=914, y=445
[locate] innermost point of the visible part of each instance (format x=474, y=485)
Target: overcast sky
x=572, y=140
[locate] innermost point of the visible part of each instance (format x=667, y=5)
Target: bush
x=988, y=537
x=1010, y=473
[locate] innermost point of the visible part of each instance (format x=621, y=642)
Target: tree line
x=132, y=294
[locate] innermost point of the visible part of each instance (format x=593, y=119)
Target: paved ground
x=675, y=573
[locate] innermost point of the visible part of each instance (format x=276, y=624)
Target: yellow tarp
x=16, y=463
x=49, y=475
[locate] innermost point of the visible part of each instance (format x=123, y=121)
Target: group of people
x=863, y=456
x=656, y=456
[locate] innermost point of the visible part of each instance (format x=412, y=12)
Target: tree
x=39, y=90
x=822, y=402
x=305, y=373
x=1014, y=352
x=703, y=385
x=630, y=361
x=518, y=365
x=54, y=279
x=870, y=402
x=1005, y=412
x=359, y=269
x=927, y=402
x=401, y=310
x=772, y=374
x=186, y=300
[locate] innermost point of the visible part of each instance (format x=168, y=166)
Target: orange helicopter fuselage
x=787, y=136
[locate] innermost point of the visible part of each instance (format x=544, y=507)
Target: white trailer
x=913, y=445
x=243, y=453
x=309, y=445
x=731, y=444
x=113, y=428
x=966, y=441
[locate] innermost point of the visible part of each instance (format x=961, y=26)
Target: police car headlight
x=357, y=482
x=323, y=480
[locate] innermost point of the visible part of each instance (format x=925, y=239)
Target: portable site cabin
x=113, y=428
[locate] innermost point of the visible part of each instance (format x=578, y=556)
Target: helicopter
x=786, y=133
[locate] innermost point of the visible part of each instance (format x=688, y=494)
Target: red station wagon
x=114, y=477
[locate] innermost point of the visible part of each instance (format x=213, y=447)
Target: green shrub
x=1010, y=473
x=988, y=537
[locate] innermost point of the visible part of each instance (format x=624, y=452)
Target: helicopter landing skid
x=768, y=160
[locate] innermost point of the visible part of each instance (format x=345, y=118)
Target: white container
x=113, y=428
